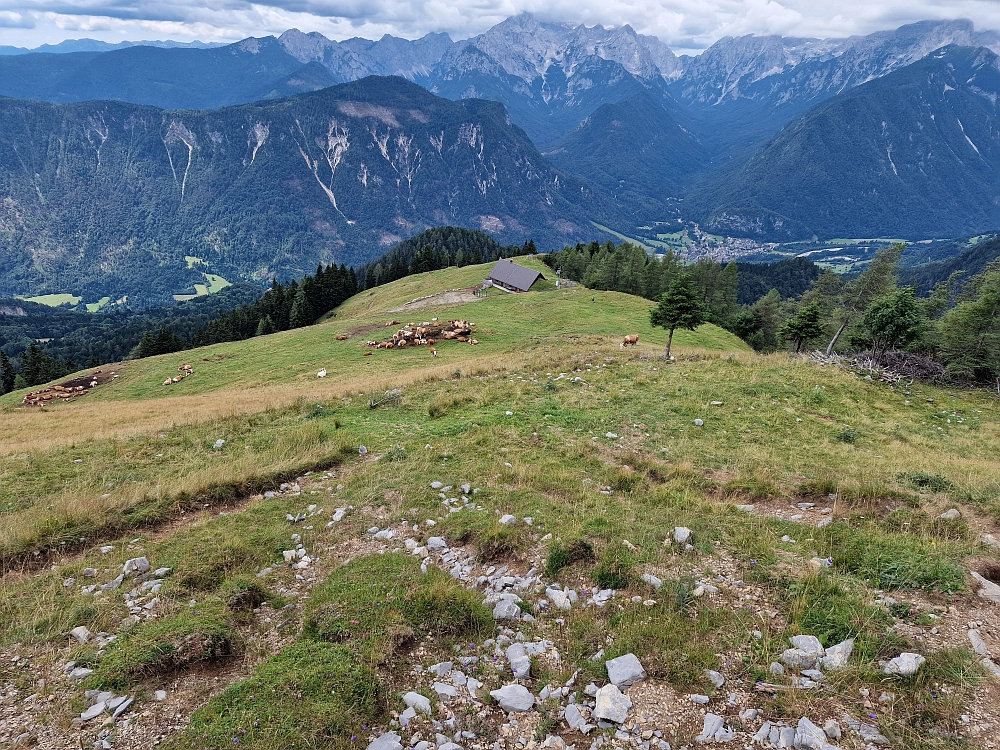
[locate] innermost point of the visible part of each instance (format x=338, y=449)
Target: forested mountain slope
x=107, y=199
x=912, y=154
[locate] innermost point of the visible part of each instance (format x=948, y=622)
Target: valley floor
x=289, y=588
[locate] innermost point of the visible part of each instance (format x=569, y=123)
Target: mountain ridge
x=264, y=189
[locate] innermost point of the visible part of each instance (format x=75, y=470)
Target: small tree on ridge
x=680, y=307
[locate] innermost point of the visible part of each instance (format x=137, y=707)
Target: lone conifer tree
x=680, y=307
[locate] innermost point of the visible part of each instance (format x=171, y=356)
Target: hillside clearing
x=548, y=420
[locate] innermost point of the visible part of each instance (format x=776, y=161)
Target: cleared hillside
x=593, y=456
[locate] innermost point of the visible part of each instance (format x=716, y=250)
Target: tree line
x=871, y=312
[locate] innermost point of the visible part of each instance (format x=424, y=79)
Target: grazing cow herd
x=184, y=371
x=428, y=334
x=68, y=390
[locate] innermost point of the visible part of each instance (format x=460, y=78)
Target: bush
x=396, y=453
x=848, y=435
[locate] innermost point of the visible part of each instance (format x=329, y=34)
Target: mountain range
x=766, y=137
x=262, y=190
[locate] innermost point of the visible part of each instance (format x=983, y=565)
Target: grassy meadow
x=552, y=420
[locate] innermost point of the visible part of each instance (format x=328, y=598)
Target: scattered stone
x=441, y=668
x=520, y=662
x=808, y=736
x=507, y=609
x=978, y=644
x=832, y=729
x=160, y=695
x=836, y=656
x=387, y=741
x=952, y=514
x=136, y=566
x=94, y=711
x=80, y=673
x=81, y=634
x=991, y=666
x=699, y=423
x=867, y=731
x=715, y=678
x=988, y=590
x=122, y=708
x=446, y=690
x=776, y=668
x=559, y=598
x=508, y=520
x=612, y=705
x=513, y=698
x=698, y=698
x=682, y=534
x=652, y=580
x=905, y=664
x=805, y=652
x=363, y=451
x=625, y=671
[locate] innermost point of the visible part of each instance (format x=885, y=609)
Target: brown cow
x=631, y=340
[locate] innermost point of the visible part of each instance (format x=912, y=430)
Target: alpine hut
x=511, y=277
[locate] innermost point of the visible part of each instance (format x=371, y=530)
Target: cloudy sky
x=686, y=25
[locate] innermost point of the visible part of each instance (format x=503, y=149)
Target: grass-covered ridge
x=549, y=419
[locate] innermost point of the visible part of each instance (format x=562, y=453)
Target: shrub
x=396, y=453
x=848, y=435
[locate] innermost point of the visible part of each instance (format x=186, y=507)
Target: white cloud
x=683, y=24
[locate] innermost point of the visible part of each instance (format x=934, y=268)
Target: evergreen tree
x=680, y=307
x=265, y=326
x=32, y=367
x=529, y=248
x=766, y=316
x=969, y=333
x=805, y=326
x=7, y=374
x=301, y=314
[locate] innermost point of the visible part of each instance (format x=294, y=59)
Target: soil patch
x=447, y=297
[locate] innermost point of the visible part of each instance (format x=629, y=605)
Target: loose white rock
x=682, y=534
x=612, y=705
x=836, y=656
x=513, y=697
x=81, y=634
x=387, y=741
x=905, y=664
x=625, y=670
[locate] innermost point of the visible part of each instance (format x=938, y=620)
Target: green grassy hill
x=547, y=419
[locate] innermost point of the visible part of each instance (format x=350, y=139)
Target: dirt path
x=447, y=297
